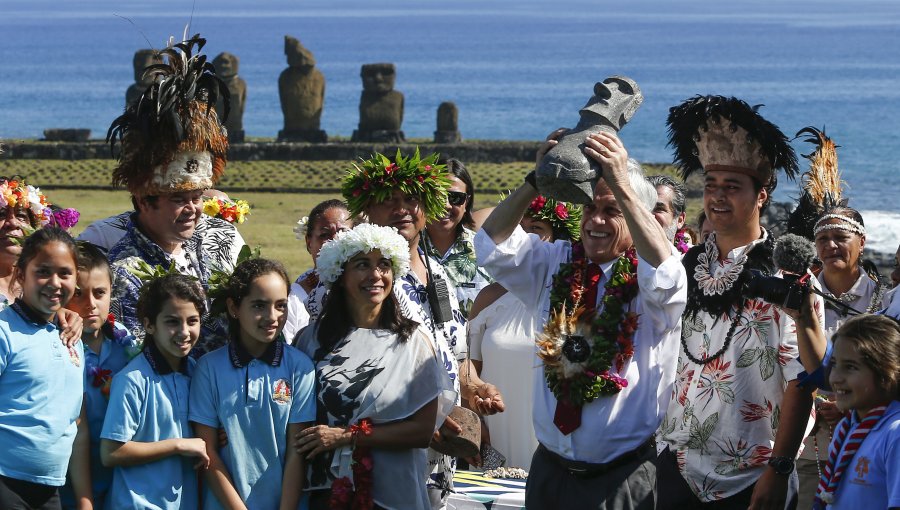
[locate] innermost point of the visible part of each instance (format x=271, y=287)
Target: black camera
x=439, y=298
x=786, y=292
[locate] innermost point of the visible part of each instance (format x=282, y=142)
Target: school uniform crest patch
x=281, y=392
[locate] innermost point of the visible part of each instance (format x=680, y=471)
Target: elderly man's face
x=664, y=212
x=604, y=232
x=172, y=219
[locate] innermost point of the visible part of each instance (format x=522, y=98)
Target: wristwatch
x=782, y=465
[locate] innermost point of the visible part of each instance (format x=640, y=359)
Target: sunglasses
x=457, y=198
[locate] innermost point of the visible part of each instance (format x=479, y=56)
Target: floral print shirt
x=134, y=246
x=461, y=267
x=722, y=417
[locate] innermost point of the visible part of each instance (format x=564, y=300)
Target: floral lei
x=611, y=330
x=355, y=494
x=681, y=241
x=230, y=211
x=102, y=377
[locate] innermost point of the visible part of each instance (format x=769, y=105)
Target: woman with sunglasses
x=450, y=238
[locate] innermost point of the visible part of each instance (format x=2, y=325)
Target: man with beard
x=670, y=204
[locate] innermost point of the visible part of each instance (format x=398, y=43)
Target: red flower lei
x=611, y=331
x=355, y=494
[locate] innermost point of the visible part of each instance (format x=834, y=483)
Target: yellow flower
x=211, y=207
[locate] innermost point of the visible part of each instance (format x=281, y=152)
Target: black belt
x=589, y=470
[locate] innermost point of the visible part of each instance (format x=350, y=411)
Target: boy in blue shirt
x=108, y=348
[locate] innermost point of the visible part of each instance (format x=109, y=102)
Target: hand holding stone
x=607, y=150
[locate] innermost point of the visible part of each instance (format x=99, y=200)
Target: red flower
x=537, y=204
x=561, y=211
x=357, y=192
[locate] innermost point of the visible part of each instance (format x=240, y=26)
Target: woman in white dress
x=323, y=223
x=501, y=336
x=381, y=391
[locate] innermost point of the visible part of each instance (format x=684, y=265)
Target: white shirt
x=525, y=265
x=859, y=297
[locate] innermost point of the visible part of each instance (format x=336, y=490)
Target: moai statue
x=142, y=60
x=447, y=124
x=565, y=173
x=227, y=66
x=301, y=88
x=380, y=107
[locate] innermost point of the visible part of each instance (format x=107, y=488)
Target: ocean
x=516, y=69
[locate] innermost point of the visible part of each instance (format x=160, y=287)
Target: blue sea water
x=516, y=69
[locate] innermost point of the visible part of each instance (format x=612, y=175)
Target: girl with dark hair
x=146, y=436
x=381, y=391
x=323, y=223
x=43, y=428
x=260, y=391
x=450, y=238
x=864, y=455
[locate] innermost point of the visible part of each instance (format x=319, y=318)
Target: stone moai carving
x=380, y=106
x=566, y=173
x=142, y=60
x=447, y=124
x=301, y=88
x=227, y=66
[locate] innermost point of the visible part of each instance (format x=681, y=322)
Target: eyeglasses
x=457, y=198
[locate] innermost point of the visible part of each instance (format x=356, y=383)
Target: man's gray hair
x=678, y=191
x=645, y=191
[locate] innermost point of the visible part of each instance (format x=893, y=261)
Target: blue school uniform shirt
x=872, y=480
x=254, y=400
x=148, y=402
x=114, y=355
x=41, y=387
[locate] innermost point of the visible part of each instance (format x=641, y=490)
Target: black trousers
x=629, y=486
x=21, y=495
x=679, y=496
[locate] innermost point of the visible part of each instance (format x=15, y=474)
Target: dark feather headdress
x=725, y=133
x=171, y=138
x=822, y=185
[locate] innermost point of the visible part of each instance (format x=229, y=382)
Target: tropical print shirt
x=723, y=415
x=461, y=267
x=135, y=246
x=220, y=239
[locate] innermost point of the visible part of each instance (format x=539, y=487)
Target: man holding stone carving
x=612, y=304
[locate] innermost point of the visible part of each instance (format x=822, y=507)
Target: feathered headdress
x=725, y=133
x=172, y=140
x=822, y=185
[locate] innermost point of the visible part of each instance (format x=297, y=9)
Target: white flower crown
x=363, y=238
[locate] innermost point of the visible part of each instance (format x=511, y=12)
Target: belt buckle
x=578, y=472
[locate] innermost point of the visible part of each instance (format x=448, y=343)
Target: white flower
x=301, y=228
x=363, y=238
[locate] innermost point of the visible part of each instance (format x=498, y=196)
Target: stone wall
x=468, y=151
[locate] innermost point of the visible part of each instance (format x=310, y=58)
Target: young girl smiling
x=41, y=381
x=260, y=390
x=862, y=471
x=146, y=436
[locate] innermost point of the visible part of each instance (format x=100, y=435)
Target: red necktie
x=567, y=417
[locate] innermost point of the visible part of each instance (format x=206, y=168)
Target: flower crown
x=562, y=216
x=231, y=211
x=301, y=228
x=16, y=193
x=362, y=238
x=373, y=180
